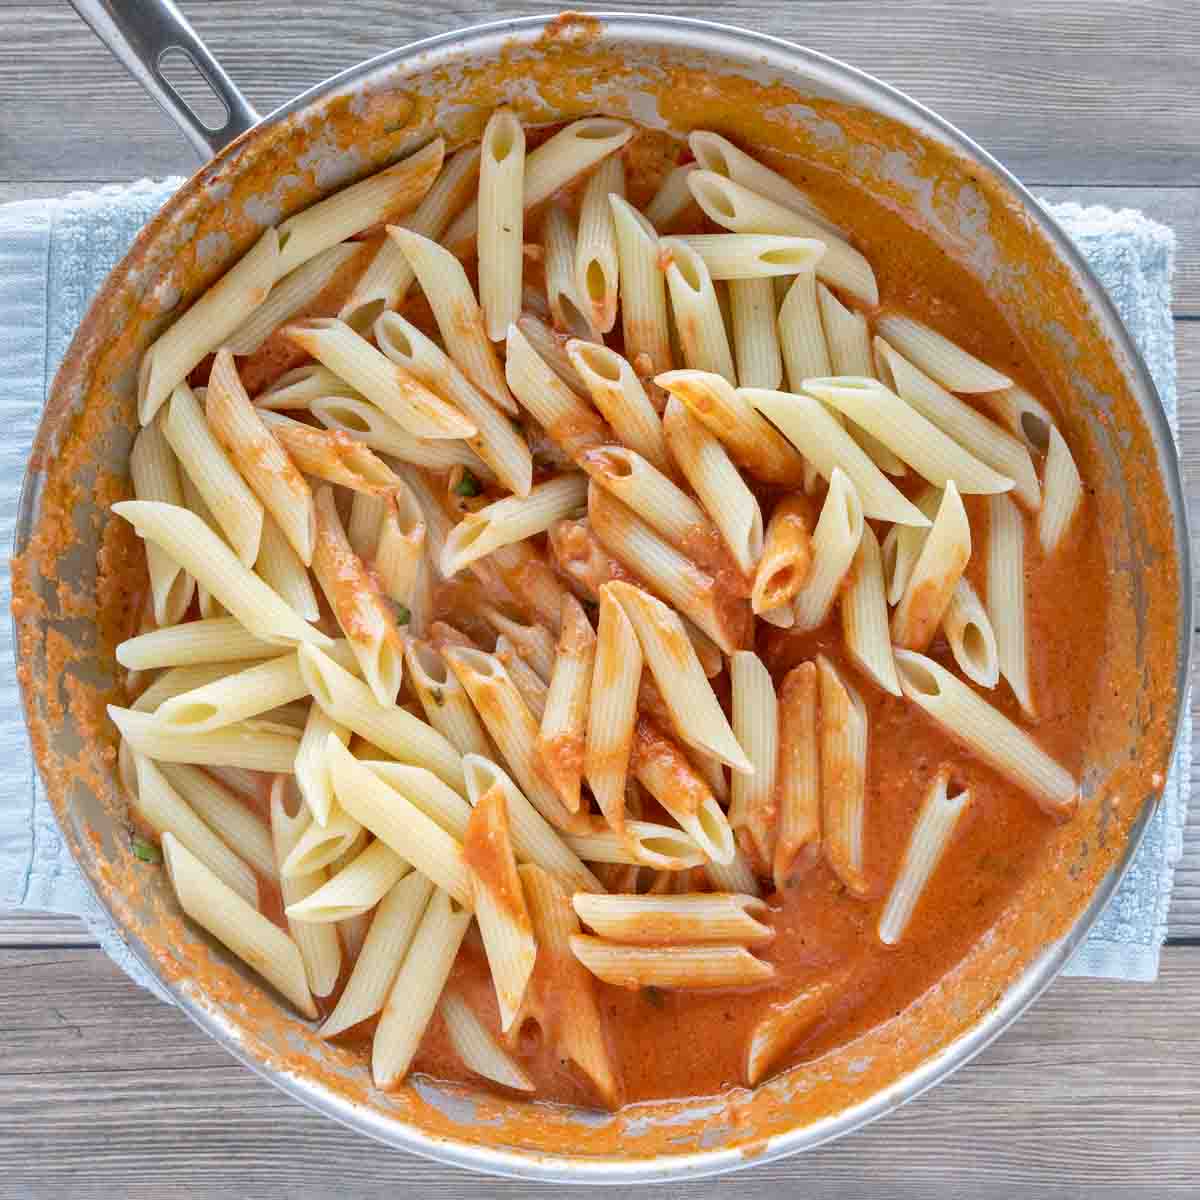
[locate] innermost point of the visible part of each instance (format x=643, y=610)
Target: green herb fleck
x=437, y=697
x=467, y=485
x=403, y=613
x=146, y=851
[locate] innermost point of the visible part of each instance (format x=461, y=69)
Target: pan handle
x=139, y=33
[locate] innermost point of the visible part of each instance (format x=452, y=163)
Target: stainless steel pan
x=71, y=595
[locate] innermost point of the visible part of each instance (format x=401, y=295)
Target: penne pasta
x=501, y=222
x=246, y=693
x=802, y=340
x=940, y=359
x=696, y=917
x=843, y=777
x=330, y=455
x=755, y=712
x=533, y=643
x=311, y=766
x=339, y=840
x=550, y=347
x=786, y=1023
x=562, y=737
x=414, y=995
x=239, y=745
x=670, y=967
x=734, y=876
x=400, y=563
x=279, y=567
x=219, y=312
x=1023, y=415
x=936, y=822
x=571, y=313
x=968, y=630
x=696, y=310
x=986, y=732
x=383, y=951
x=645, y=323
x=1006, y=598
x=238, y=925
x=235, y=508
x=755, y=333
x=362, y=530
x=797, y=845
x=193, y=501
x=446, y=704
x=785, y=563
x=1062, y=493
x=754, y=256
x=174, y=681
x=355, y=889
x=644, y=843
x=527, y=681
x=424, y=790
x=298, y=388
x=865, y=629
x=672, y=200
x=835, y=542
x=741, y=210
x=596, y=266
x=477, y=1050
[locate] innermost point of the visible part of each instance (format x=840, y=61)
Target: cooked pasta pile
x=456, y=621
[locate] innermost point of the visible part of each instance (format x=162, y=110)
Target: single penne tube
x=1062, y=493
x=696, y=310
x=571, y=152
x=940, y=358
x=477, y=1050
x=835, y=542
x=195, y=502
x=816, y=433
x=512, y=519
x=238, y=745
x=1006, y=603
x=561, y=997
x=865, y=631
x=904, y=543
x=562, y=737
x=665, y=571
x=1023, y=415
x=754, y=255
x=457, y=313
x=387, y=194
x=423, y=789
x=385, y=282
x=528, y=682
x=237, y=924
x=382, y=952
x=399, y=560
x=319, y=945
x=438, y=521
x=445, y=702
x=709, y=470
x=919, y=442
x=398, y=822
x=786, y=559
x=417, y=988
x=403, y=397
x=741, y=210
x=366, y=515
x=612, y=713
x=670, y=967
x=534, y=839
x=843, y=741
x=695, y=712
x=340, y=839
x=984, y=439
x=644, y=843
x=246, y=693
x=664, y=771
x=534, y=643
x=361, y=421
x=350, y=702
x=802, y=340
x=719, y=155
x=234, y=821
x=753, y=443
x=755, y=333
x=935, y=574
x=295, y=291
x=936, y=822
x=985, y=731
x=755, y=712
x=217, y=314
x=311, y=766
x=190, y=542
x=698, y=918
x=174, y=681
x=236, y=509
x=645, y=321
x=550, y=347
x=511, y=725
x=571, y=313
x=968, y=630
x=356, y=888
x=619, y=395
x=797, y=844
x=360, y=609
x=501, y=221
x=673, y=198
x=497, y=443
x=567, y=419
x=164, y=811
x=280, y=568
x=787, y=1022
x=499, y=902
x=328, y=454
x=596, y=265
x=239, y=780
x=295, y=390
x=155, y=475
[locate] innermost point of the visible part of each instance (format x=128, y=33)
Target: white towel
x=54, y=255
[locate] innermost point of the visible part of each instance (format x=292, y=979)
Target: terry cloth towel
x=53, y=257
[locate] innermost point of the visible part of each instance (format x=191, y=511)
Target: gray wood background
x=1095, y=1093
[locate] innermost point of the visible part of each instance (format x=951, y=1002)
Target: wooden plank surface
x=106, y=1092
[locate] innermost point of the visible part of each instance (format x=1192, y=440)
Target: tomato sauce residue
x=1012, y=881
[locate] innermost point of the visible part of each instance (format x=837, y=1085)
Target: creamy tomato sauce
x=675, y=1044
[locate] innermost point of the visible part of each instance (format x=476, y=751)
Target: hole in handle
x=180, y=72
